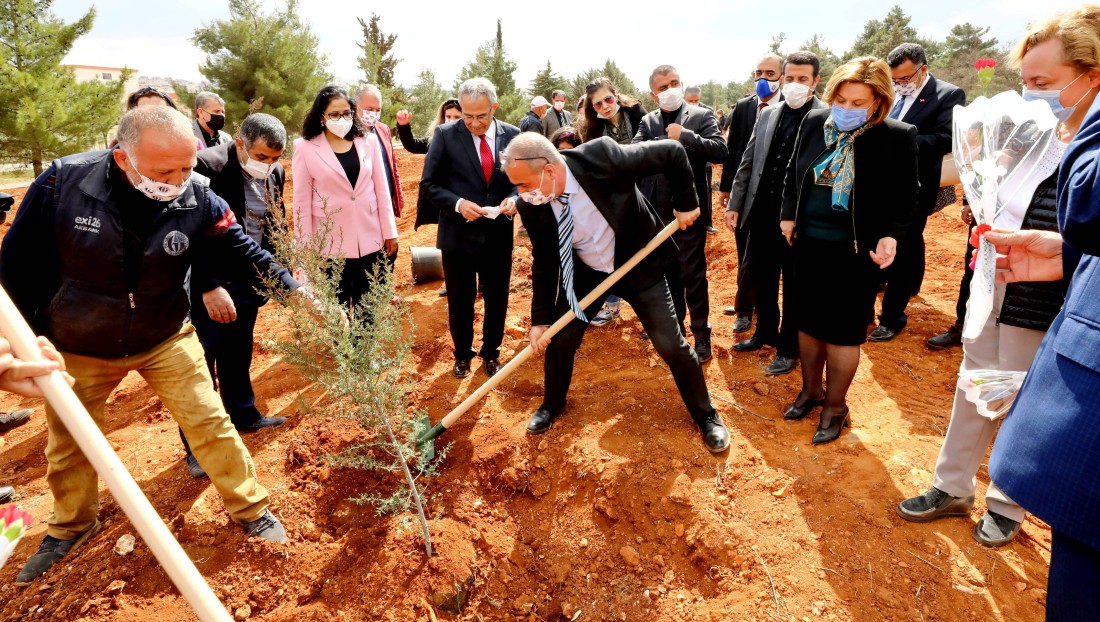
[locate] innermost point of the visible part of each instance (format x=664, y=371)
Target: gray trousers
x=1000, y=347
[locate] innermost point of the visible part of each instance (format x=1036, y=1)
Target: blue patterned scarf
x=839, y=169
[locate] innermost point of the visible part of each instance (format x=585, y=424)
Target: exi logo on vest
x=87, y=223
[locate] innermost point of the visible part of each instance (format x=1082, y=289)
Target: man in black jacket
x=929, y=105
x=476, y=202
x=697, y=130
x=768, y=77
x=245, y=173
x=586, y=218
x=112, y=236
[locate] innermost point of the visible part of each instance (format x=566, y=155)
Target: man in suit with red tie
x=476, y=202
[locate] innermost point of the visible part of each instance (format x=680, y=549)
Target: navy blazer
x=452, y=171
x=1047, y=456
x=932, y=114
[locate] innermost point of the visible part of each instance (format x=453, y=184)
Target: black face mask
x=216, y=122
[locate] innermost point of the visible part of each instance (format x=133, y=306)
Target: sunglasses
x=607, y=101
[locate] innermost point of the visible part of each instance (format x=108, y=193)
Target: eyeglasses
x=905, y=81
x=481, y=118
x=607, y=101
x=504, y=157
x=333, y=116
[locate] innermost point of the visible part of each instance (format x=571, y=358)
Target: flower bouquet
x=13, y=524
x=998, y=143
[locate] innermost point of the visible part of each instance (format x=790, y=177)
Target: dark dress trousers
x=931, y=113
x=472, y=251
x=835, y=282
x=607, y=173
x=704, y=144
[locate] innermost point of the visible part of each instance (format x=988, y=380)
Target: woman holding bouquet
x=1059, y=61
x=850, y=193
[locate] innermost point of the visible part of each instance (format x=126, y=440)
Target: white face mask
x=671, y=99
x=256, y=169
x=796, y=95
x=607, y=112
x=536, y=197
x=370, y=117
x=559, y=106
x=340, y=127
x=158, y=191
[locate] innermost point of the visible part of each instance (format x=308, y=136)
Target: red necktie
x=486, y=159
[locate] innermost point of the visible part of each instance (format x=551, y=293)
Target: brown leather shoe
x=462, y=369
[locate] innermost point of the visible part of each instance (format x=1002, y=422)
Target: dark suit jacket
x=531, y=123
x=932, y=114
x=884, y=197
x=700, y=138
x=452, y=171
x=411, y=143
x=742, y=120
x=550, y=122
x=607, y=171
x=1047, y=454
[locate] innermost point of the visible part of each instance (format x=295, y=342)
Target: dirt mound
x=618, y=513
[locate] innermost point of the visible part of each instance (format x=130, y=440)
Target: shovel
x=426, y=433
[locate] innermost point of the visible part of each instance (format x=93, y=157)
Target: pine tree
x=829, y=60
x=44, y=112
x=547, y=81
x=880, y=37
x=424, y=101
x=492, y=62
x=252, y=55
x=965, y=44
x=378, y=65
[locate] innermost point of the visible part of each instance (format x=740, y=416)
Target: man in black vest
x=768, y=76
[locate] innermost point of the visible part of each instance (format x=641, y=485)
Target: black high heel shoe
x=832, y=432
x=795, y=411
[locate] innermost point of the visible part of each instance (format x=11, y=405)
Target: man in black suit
x=476, y=202
x=586, y=217
x=928, y=104
x=754, y=205
x=768, y=76
x=245, y=173
x=694, y=96
x=697, y=130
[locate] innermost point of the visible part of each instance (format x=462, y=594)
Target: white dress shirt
x=593, y=238
x=491, y=137
x=912, y=98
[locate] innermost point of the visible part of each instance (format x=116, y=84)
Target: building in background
x=87, y=73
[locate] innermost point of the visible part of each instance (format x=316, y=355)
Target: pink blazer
x=359, y=227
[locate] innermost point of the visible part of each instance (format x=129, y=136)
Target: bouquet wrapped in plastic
x=13, y=524
x=999, y=142
x=990, y=390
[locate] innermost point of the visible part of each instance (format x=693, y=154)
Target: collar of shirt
x=909, y=101
x=491, y=136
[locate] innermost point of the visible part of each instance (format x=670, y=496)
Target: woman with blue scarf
x=851, y=188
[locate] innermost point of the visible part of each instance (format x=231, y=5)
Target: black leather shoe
x=781, y=365
x=933, y=504
x=729, y=310
x=193, y=468
x=953, y=337
x=742, y=324
x=995, y=530
x=7, y=493
x=751, y=344
x=541, y=421
x=462, y=369
x=261, y=423
x=882, y=334
x=712, y=230
x=492, y=366
x=832, y=431
x=702, y=346
x=13, y=419
x=442, y=292
x=49, y=553
x=715, y=435
x=796, y=411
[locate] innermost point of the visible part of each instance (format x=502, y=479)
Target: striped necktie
x=565, y=250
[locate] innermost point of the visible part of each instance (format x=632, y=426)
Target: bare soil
x=618, y=513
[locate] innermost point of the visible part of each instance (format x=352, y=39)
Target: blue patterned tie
x=895, y=112
x=565, y=250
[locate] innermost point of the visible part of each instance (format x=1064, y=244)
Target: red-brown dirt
x=618, y=513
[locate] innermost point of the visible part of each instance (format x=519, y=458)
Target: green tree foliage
x=491, y=61
x=965, y=44
x=776, y=46
x=829, y=60
x=612, y=72
x=44, y=112
x=713, y=94
x=880, y=37
x=252, y=55
x=424, y=100
x=378, y=65
x=547, y=81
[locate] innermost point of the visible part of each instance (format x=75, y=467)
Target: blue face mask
x=1054, y=100
x=765, y=88
x=848, y=119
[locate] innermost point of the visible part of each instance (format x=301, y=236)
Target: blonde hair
x=1079, y=31
x=873, y=72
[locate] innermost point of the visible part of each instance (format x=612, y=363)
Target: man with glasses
x=929, y=104
x=210, y=119
x=476, y=202
x=768, y=75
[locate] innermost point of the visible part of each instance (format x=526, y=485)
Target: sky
x=721, y=45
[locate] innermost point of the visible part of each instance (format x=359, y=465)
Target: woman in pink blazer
x=339, y=176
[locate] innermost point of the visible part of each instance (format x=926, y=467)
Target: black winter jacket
x=1034, y=305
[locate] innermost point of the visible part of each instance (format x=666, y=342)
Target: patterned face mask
x=156, y=190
